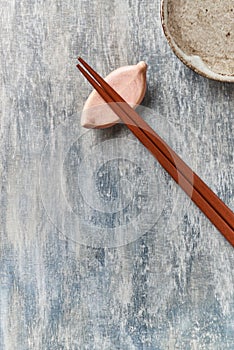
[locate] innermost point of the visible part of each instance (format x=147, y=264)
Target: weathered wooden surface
x=169, y=286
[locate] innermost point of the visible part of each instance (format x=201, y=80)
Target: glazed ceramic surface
x=201, y=33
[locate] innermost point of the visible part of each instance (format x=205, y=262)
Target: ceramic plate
x=201, y=34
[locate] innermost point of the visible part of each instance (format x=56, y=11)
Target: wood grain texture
x=171, y=287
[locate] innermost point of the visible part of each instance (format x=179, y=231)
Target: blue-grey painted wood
x=172, y=286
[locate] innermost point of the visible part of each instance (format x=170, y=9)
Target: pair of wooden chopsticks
x=208, y=202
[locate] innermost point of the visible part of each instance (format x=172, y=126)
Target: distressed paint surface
x=164, y=290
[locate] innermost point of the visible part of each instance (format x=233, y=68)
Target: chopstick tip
x=81, y=69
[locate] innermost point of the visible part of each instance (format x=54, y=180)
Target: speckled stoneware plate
x=201, y=34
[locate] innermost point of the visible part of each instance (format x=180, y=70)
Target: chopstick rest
x=129, y=81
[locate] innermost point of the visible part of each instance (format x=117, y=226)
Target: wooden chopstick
x=218, y=213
